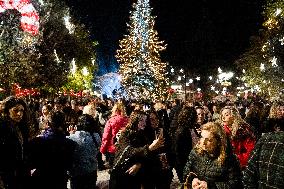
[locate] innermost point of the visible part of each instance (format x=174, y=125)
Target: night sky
x=201, y=34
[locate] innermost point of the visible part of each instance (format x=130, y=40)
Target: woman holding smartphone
x=135, y=146
x=158, y=170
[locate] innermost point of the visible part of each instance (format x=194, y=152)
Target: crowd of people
x=229, y=144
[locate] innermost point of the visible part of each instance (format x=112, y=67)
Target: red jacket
x=113, y=125
x=243, y=143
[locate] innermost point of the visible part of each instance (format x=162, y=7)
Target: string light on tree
x=274, y=62
x=278, y=11
x=262, y=67
x=141, y=68
x=68, y=24
x=282, y=40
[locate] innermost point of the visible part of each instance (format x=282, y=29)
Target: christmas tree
x=141, y=68
x=263, y=64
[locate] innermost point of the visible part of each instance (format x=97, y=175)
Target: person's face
x=280, y=112
x=58, y=107
x=214, y=108
x=154, y=120
x=200, y=115
x=190, y=104
x=227, y=117
x=16, y=113
x=208, y=142
x=44, y=110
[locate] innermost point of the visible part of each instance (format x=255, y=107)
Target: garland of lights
x=30, y=17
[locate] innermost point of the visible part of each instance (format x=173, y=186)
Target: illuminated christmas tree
x=263, y=63
x=141, y=68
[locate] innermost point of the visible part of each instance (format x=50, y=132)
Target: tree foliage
x=263, y=62
x=43, y=60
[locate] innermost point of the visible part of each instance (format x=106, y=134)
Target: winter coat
x=113, y=125
x=265, y=167
x=85, y=154
x=132, y=148
x=183, y=147
x=12, y=154
x=50, y=156
x=158, y=165
x=207, y=169
x=243, y=143
x=173, y=118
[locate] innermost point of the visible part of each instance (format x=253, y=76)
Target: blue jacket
x=85, y=155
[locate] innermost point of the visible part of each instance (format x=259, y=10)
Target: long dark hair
x=186, y=118
x=24, y=124
x=11, y=102
x=132, y=128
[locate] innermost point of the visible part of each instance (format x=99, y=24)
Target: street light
x=73, y=67
x=223, y=79
x=85, y=71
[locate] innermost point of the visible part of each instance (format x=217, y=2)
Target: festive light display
x=30, y=17
x=40, y=57
x=110, y=85
x=262, y=62
x=24, y=92
x=141, y=68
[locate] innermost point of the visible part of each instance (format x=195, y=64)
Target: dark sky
x=201, y=34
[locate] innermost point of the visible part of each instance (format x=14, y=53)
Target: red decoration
x=24, y=92
x=29, y=19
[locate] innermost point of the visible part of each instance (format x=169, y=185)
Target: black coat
x=51, y=157
x=183, y=147
x=132, y=148
x=13, y=138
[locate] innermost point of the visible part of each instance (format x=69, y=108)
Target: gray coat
x=265, y=167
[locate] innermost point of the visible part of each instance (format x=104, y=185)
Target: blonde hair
x=274, y=109
x=238, y=121
x=219, y=134
x=90, y=109
x=118, y=108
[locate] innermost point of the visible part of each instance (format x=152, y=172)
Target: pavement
x=103, y=178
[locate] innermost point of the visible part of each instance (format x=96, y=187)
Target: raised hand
x=134, y=169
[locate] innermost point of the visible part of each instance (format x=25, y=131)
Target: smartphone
x=146, y=108
x=159, y=133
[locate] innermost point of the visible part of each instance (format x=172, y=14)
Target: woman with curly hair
x=276, y=112
x=239, y=132
x=211, y=164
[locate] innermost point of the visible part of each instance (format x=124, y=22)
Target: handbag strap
x=188, y=179
x=120, y=157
